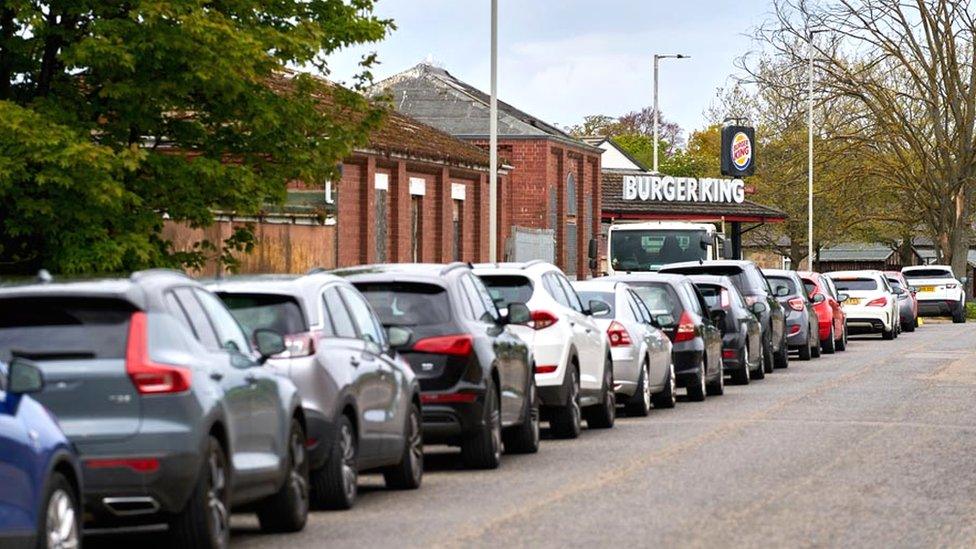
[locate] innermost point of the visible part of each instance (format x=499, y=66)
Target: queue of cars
x=160, y=399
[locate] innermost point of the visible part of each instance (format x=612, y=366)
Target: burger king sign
x=738, y=151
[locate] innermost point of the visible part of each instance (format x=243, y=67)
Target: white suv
x=939, y=292
x=869, y=301
x=573, y=366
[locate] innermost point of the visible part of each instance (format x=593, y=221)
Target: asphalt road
x=870, y=447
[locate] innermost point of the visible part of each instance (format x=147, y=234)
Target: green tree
x=115, y=114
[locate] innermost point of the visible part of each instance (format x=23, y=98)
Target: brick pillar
x=597, y=202
x=582, y=186
x=445, y=219
x=368, y=221
x=560, y=183
x=479, y=201
x=402, y=213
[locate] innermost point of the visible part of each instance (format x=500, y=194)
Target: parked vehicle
x=475, y=374
x=647, y=246
x=360, y=398
x=573, y=364
x=832, y=320
x=802, y=325
x=755, y=289
x=643, y=373
x=172, y=413
x=741, y=331
x=40, y=475
x=871, y=304
x=681, y=311
x=907, y=300
x=940, y=293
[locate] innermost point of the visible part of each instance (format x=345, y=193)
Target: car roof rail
x=533, y=262
x=316, y=270
x=139, y=275
x=454, y=265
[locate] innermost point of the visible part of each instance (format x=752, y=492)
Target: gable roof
x=436, y=97
x=856, y=251
x=599, y=141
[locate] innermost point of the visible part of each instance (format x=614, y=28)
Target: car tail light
x=729, y=353
x=139, y=465
x=542, y=319
x=452, y=345
x=794, y=329
x=951, y=286
x=726, y=300
x=686, y=328
x=750, y=300
x=448, y=398
x=796, y=304
x=148, y=377
x=299, y=345
x=880, y=302
x=545, y=368
x=619, y=337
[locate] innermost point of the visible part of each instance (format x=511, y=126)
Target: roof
x=597, y=285
x=616, y=207
x=865, y=273
x=856, y=251
x=720, y=280
x=669, y=278
x=436, y=97
x=513, y=266
x=600, y=141
x=435, y=270
x=289, y=284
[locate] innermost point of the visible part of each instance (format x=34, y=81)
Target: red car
x=832, y=319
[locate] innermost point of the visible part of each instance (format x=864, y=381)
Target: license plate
x=927, y=289
x=853, y=301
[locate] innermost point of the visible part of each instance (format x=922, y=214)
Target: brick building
x=555, y=180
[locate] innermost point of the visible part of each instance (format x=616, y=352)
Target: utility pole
x=493, y=141
x=657, y=59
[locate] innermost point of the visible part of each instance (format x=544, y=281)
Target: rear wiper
x=53, y=355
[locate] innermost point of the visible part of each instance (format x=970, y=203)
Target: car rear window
x=280, y=313
x=407, y=303
x=777, y=282
x=715, y=296
x=659, y=297
x=855, y=284
x=748, y=281
x=607, y=297
x=809, y=286
x=928, y=273
x=895, y=283
x=508, y=289
x=64, y=327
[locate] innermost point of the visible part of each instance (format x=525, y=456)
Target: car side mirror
x=24, y=377
x=758, y=307
x=592, y=251
x=964, y=280
x=782, y=291
x=818, y=298
x=268, y=343
x=704, y=242
x=898, y=291
x=842, y=297
x=598, y=308
x=664, y=321
x=397, y=336
x=717, y=316
x=518, y=313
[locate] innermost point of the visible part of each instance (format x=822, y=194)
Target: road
x=870, y=447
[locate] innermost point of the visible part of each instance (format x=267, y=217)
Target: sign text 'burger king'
x=683, y=189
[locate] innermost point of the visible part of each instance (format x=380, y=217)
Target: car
x=643, y=371
x=174, y=417
x=477, y=386
x=754, y=288
x=907, y=300
x=940, y=293
x=360, y=398
x=40, y=505
x=802, y=322
x=832, y=320
x=679, y=308
x=871, y=303
x=573, y=362
x=741, y=331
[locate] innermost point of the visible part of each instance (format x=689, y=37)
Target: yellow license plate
x=853, y=301
x=927, y=289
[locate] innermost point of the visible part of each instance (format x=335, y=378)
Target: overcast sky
x=563, y=59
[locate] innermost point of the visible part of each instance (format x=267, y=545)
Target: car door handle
x=251, y=379
x=216, y=376
x=355, y=362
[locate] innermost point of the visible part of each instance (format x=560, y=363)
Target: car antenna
x=701, y=261
x=44, y=277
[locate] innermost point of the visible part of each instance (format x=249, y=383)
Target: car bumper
x=626, y=369
x=446, y=423
x=319, y=437
x=732, y=359
x=937, y=307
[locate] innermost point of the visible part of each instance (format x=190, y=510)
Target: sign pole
x=493, y=142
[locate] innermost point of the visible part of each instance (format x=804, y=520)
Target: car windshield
x=928, y=273
x=606, y=297
x=777, y=282
x=648, y=250
x=856, y=284
x=659, y=298
x=407, y=304
x=280, y=313
x=64, y=327
x=508, y=289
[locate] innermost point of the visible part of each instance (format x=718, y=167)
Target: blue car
x=40, y=478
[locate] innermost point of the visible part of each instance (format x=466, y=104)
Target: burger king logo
x=741, y=151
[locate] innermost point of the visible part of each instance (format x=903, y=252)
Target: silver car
x=361, y=399
x=643, y=372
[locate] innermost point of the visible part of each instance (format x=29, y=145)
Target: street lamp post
x=657, y=58
x=493, y=141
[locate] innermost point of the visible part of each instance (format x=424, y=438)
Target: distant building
x=853, y=256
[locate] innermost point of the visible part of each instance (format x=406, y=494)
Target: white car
x=939, y=292
x=573, y=366
x=643, y=372
x=869, y=301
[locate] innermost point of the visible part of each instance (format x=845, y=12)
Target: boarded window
x=415, y=213
x=571, y=208
x=458, y=229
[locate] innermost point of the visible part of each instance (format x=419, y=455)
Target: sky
x=560, y=60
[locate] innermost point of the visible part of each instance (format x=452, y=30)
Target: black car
x=755, y=289
x=741, y=331
x=477, y=386
x=680, y=311
x=802, y=324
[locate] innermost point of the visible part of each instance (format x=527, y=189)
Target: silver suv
x=174, y=416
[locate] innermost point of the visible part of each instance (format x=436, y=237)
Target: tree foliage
x=114, y=114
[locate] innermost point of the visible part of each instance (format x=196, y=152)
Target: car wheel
x=909, y=326
x=767, y=356
x=841, y=344
x=524, y=437
x=483, y=449
x=204, y=522
x=888, y=335
x=782, y=358
x=602, y=416
x=409, y=473
x=743, y=375
x=696, y=385
x=640, y=403
x=804, y=352
x=814, y=344
x=666, y=398
x=717, y=387
x=829, y=345
x=287, y=509
x=959, y=315
x=566, y=420
x=60, y=524
x=335, y=485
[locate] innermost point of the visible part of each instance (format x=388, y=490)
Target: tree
x=114, y=114
x=638, y=123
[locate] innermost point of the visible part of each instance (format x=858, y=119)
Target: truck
x=647, y=246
